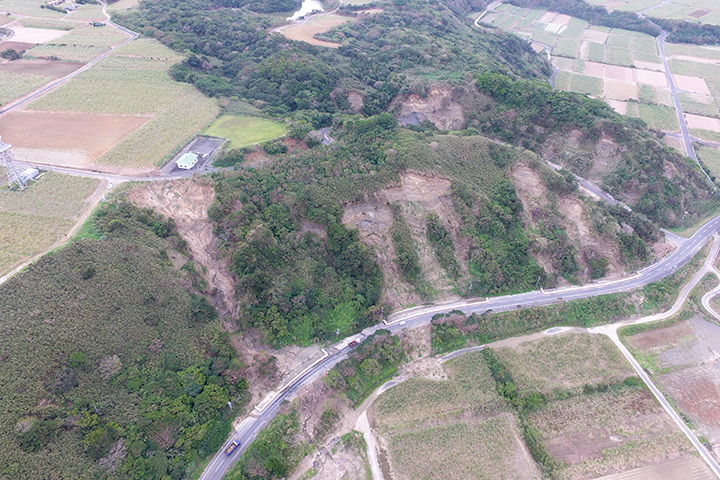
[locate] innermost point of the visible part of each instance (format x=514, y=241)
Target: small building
x=187, y=161
x=30, y=173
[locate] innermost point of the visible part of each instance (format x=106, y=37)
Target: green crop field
x=564, y=361
x=114, y=90
x=28, y=7
x=585, y=84
x=596, y=52
x=14, y=85
x=656, y=116
x=148, y=48
x=699, y=104
x=619, y=56
x=242, y=131
x=74, y=53
x=566, y=47
x=34, y=219
x=49, y=23
x=89, y=13
x=81, y=44
x=710, y=157
x=153, y=143
x=452, y=429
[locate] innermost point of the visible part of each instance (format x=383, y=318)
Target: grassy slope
x=243, y=131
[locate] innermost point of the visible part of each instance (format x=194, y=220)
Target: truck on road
x=231, y=448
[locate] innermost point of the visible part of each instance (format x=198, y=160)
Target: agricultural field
x=79, y=45
x=305, y=31
x=689, y=10
x=28, y=7
x=458, y=428
x=124, y=113
x=573, y=359
x=34, y=219
x=683, y=358
x=624, y=67
x=710, y=156
x=243, y=131
x=597, y=418
x=15, y=85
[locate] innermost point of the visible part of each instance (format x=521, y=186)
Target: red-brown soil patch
x=18, y=46
x=42, y=68
x=71, y=139
x=698, y=13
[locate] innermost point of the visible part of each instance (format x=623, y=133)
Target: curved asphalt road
x=252, y=425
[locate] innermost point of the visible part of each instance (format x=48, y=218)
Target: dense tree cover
x=442, y=244
x=406, y=250
x=110, y=368
x=530, y=113
x=234, y=52
x=680, y=31
x=303, y=274
x=373, y=362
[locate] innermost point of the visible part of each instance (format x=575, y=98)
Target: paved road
x=412, y=318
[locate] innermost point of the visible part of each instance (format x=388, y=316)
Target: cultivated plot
x=454, y=429
x=597, y=418
x=620, y=66
x=685, y=361
x=124, y=113
x=32, y=220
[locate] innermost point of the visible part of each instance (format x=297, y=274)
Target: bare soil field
x=613, y=89
x=702, y=123
x=43, y=68
x=610, y=432
x=687, y=468
x=305, y=31
x=18, y=46
x=618, y=106
x=685, y=359
x=691, y=84
x=594, y=423
x=71, y=139
x=35, y=35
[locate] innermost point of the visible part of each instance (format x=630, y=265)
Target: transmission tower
x=7, y=159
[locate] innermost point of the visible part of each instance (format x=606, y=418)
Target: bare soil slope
x=187, y=202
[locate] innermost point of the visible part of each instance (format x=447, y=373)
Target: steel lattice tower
x=7, y=159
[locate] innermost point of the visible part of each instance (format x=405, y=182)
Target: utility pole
x=7, y=159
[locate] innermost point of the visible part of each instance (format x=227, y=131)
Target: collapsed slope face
x=586, y=136
x=481, y=218
x=187, y=203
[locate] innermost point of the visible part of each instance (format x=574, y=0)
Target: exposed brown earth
x=44, y=68
x=438, y=106
x=187, y=202
x=689, y=356
x=67, y=139
x=417, y=195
